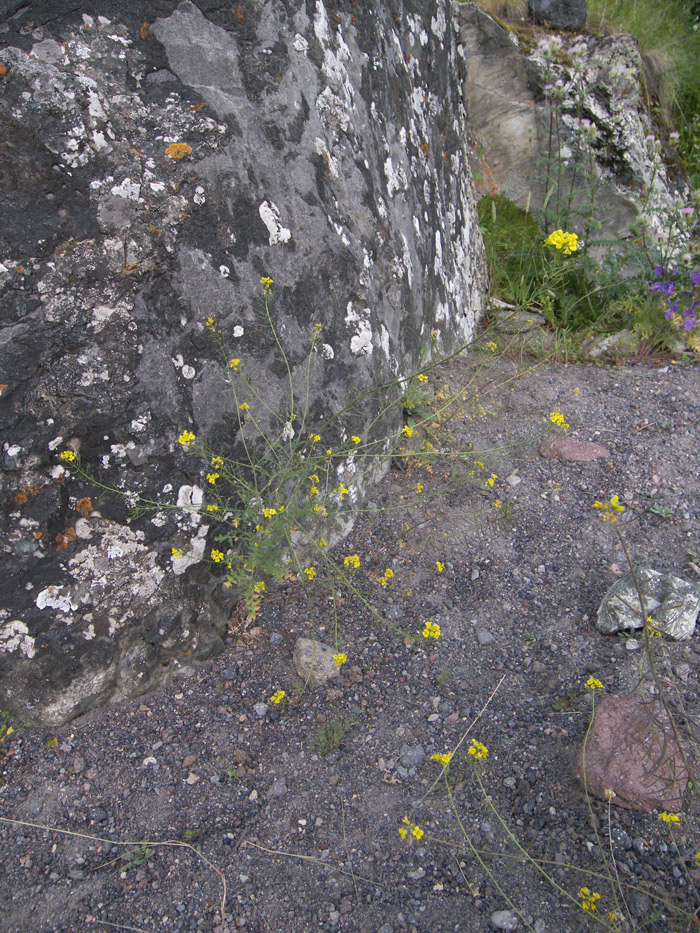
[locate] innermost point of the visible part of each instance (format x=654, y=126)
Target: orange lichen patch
x=3, y=69
x=138, y=153
x=145, y=31
x=237, y=12
x=19, y=268
x=84, y=507
x=38, y=535
x=3, y=386
x=25, y=492
x=128, y=269
x=178, y=150
x=424, y=148
x=197, y=106
x=64, y=538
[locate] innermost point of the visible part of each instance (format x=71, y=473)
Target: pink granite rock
x=560, y=447
x=632, y=750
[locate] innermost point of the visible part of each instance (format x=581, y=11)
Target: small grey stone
x=78, y=764
x=540, y=926
x=314, y=661
x=99, y=815
x=504, y=920
x=278, y=788
x=261, y=709
x=484, y=637
x=475, y=574
x=417, y=874
x=412, y=756
x=276, y=638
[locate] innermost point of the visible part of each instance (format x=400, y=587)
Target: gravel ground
x=302, y=822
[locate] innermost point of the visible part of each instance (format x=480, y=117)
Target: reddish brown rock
x=561, y=447
x=632, y=750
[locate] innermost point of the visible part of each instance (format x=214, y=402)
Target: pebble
x=78, y=764
x=276, y=638
x=504, y=920
x=484, y=637
x=412, y=755
x=261, y=709
x=278, y=788
x=192, y=778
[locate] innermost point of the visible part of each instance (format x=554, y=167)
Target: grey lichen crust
x=672, y=604
x=158, y=168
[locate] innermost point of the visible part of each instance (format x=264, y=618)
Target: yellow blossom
x=314, y=438
x=407, y=431
x=411, y=828
x=355, y=439
x=217, y=462
x=234, y=364
x=557, y=418
x=212, y=478
x=444, y=759
x=353, y=560
x=588, y=899
x=492, y=346
x=277, y=697
x=266, y=283
x=244, y=407
x=669, y=817
x=313, y=491
x=339, y=659
x=566, y=242
x=259, y=587
x=609, y=509
x=68, y=455
x=431, y=630
x=211, y=323
x=322, y=542
x=343, y=490
x=422, y=377
x=310, y=572
x=268, y=513
x=439, y=566
x=186, y=438
x=212, y=508
x=419, y=487
x=217, y=556
x=478, y=750
x=492, y=479
x=177, y=553
x=498, y=504
x=593, y=684
x=314, y=478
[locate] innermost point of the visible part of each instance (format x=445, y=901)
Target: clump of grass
x=330, y=734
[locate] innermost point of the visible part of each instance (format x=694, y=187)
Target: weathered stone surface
x=632, y=750
x=561, y=447
x=559, y=14
x=314, y=661
x=593, y=91
x=163, y=157
x=672, y=603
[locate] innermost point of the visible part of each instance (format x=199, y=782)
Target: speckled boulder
x=163, y=157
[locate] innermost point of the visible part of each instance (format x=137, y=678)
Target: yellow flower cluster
x=68, y=455
x=411, y=828
x=353, y=560
x=356, y=440
x=593, y=684
x=422, y=377
x=310, y=572
x=259, y=587
x=492, y=479
x=444, y=760
x=266, y=283
x=588, y=899
x=609, y=509
x=388, y=574
x=477, y=750
x=277, y=697
x=557, y=418
x=235, y=364
x=407, y=431
x=566, y=242
x=669, y=817
x=186, y=438
x=339, y=659
x=431, y=630
x=217, y=556
x=177, y=553
x=212, y=478
x=439, y=566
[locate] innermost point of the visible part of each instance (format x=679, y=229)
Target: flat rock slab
x=632, y=750
x=314, y=661
x=560, y=447
x=672, y=603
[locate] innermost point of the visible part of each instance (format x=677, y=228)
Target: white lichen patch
x=189, y=499
x=128, y=189
x=53, y=597
x=14, y=636
x=192, y=556
x=361, y=341
x=270, y=216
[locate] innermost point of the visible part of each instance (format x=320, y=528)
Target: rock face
x=163, y=157
x=632, y=751
x=559, y=14
x=569, y=101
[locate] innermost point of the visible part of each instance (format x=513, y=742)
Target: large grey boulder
x=575, y=103
x=559, y=14
x=159, y=159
